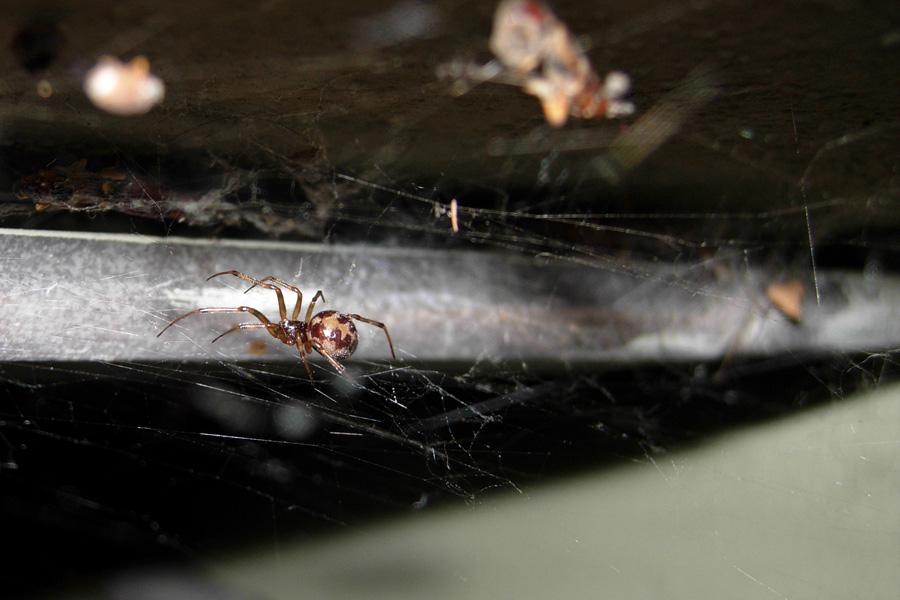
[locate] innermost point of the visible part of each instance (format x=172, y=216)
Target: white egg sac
x=123, y=89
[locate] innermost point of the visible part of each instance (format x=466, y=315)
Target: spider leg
x=303, y=358
x=240, y=309
x=337, y=366
x=271, y=327
x=312, y=304
x=296, y=312
x=376, y=324
x=257, y=282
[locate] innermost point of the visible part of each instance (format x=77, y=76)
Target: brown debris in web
x=536, y=51
x=787, y=297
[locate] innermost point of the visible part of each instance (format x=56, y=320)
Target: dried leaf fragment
x=544, y=58
x=787, y=297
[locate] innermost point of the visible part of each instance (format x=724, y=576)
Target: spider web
x=562, y=301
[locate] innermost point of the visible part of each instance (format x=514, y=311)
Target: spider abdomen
x=334, y=332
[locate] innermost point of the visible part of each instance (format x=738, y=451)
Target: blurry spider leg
x=785, y=298
x=804, y=185
x=659, y=124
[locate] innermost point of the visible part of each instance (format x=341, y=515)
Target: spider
x=330, y=333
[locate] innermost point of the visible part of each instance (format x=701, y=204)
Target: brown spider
x=330, y=333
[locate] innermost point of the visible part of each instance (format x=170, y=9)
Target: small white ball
x=123, y=89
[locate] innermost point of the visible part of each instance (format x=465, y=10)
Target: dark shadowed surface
x=808, y=89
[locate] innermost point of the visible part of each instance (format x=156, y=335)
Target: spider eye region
x=335, y=332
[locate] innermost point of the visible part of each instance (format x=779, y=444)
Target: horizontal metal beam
x=101, y=297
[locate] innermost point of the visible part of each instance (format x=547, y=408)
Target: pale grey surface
x=805, y=507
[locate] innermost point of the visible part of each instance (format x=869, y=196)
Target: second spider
x=330, y=333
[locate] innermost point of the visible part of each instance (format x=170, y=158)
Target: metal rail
x=101, y=297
